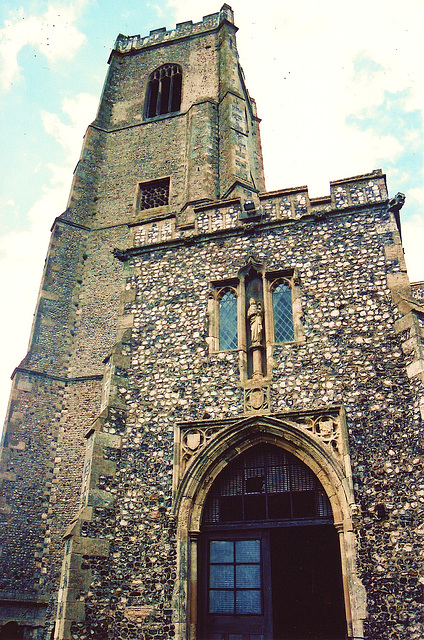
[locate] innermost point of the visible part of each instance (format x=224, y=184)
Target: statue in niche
x=254, y=314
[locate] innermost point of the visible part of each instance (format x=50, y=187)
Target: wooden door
x=236, y=596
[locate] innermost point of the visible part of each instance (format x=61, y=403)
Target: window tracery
x=154, y=193
x=264, y=484
x=164, y=91
x=253, y=312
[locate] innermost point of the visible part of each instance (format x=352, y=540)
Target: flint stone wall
x=351, y=357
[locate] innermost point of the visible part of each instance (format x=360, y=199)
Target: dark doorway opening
x=306, y=584
x=269, y=553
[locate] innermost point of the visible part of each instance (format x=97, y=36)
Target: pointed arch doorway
x=269, y=558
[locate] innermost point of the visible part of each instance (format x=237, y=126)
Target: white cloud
x=413, y=242
x=78, y=110
x=52, y=33
x=157, y=8
x=321, y=73
x=312, y=64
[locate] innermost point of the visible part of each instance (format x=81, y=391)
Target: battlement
x=282, y=205
x=126, y=44
x=349, y=192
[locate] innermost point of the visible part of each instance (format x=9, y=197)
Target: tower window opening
x=164, y=91
x=153, y=194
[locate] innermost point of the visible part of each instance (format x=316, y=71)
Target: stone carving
x=326, y=427
x=396, y=203
x=254, y=313
x=256, y=399
x=193, y=440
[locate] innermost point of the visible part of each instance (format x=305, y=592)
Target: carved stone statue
x=254, y=314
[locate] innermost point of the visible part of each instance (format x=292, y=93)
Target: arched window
x=266, y=484
x=283, y=311
x=268, y=312
x=164, y=91
x=228, y=320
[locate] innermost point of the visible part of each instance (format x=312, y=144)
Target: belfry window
x=164, y=91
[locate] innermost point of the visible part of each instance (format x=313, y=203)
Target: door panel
x=308, y=602
x=277, y=584
x=236, y=599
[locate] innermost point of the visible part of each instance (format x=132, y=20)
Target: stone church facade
x=216, y=433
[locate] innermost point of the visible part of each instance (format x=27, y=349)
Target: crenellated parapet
x=281, y=206
x=129, y=44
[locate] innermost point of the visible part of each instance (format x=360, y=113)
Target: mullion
x=235, y=589
x=171, y=86
x=159, y=96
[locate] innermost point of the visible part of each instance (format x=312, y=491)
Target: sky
x=339, y=87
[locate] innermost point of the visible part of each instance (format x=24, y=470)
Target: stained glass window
x=259, y=305
x=283, y=313
x=228, y=321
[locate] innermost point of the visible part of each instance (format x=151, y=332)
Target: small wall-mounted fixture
x=250, y=212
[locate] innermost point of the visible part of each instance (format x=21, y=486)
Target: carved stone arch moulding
x=204, y=448
x=327, y=428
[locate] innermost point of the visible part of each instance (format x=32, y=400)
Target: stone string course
x=290, y=204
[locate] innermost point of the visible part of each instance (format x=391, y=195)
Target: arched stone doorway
x=269, y=558
x=213, y=449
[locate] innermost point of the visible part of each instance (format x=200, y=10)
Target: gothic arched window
x=266, y=483
x=228, y=321
x=282, y=311
x=164, y=91
x=256, y=309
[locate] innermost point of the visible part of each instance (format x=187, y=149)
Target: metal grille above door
x=266, y=483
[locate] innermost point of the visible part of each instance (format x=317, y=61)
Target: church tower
x=215, y=432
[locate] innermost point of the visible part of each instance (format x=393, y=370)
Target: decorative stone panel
x=327, y=425
x=257, y=399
